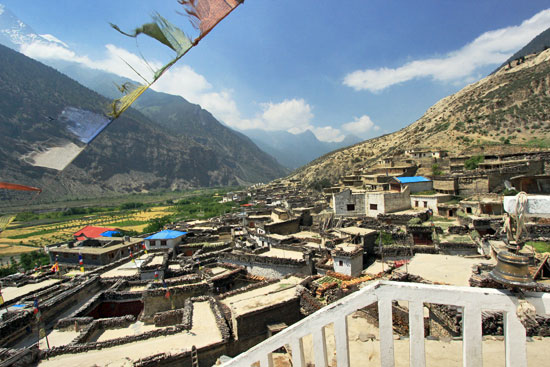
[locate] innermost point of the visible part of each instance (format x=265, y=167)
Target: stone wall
x=268, y=267
x=461, y=230
x=401, y=219
x=14, y=328
x=457, y=248
x=247, y=288
x=155, y=300
x=538, y=231
x=283, y=228
x=254, y=323
x=183, y=316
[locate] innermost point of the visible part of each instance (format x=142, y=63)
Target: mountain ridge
x=295, y=150
x=134, y=154
x=503, y=112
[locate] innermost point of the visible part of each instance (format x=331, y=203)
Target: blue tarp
x=412, y=179
x=166, y=235
x=110, y=234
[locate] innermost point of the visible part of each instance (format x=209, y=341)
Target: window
x=373, y=206
x=469, y=210
x=340, y=263
x=416, y=203
x=351, y=207
x=163, y=242
x=425, y=204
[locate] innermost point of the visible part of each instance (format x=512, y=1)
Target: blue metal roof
x=110, y=234
x=412, y=179
x=167, y=234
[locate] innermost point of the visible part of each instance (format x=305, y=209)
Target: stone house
x=414, y=183
x=95, y=252
x=446, y=185
x=370, y=203
x=348, y=259
x=167, y=239
x=432, y=202
x=483, y=205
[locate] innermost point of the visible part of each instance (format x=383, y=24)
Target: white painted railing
x=472, y=301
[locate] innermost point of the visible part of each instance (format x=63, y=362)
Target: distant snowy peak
x=14, y=33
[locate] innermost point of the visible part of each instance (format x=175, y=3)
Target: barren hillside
x=505, y=112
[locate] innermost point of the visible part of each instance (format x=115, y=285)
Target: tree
x=436, y=170
x=473, y=162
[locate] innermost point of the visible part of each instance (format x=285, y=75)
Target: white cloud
x=491, y=48
x=52, y=38
x=45, y=51
x=360, y=125
x=292, y=115
x=183, y=79
x=116, y=60
x=328, y=133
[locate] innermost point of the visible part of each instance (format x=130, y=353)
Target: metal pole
x=380, y=247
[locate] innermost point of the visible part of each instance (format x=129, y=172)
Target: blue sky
x=364, y=67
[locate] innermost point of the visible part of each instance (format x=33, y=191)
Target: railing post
x=514, y=341
x=267, y=360
x=342, y=341
x=320, y=347
x=416, y=331
x=385, y=324
x=471, y=336
x=297, y=347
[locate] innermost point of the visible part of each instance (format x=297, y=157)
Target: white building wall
x=343, y=200
x=398, y=201
x=155, y=244
x=349, y=266
x=374, y=204
x=424, y=203
x=429, y=202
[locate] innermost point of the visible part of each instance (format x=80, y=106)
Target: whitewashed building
x=348, y=259
x=167, y=239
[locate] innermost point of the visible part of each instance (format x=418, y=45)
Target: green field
x=540, y=246
x=37, y=228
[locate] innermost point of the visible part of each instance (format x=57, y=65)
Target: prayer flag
x=81, y=262
x=36, y=310
x=167, y=294
x=56, y=135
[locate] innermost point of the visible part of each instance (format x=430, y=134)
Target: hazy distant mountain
x=134, y=154
x=295, y=150
x=173, y=144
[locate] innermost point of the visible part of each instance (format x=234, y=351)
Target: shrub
x=473, y=162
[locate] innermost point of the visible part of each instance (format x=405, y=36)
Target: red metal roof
x=91, y=232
